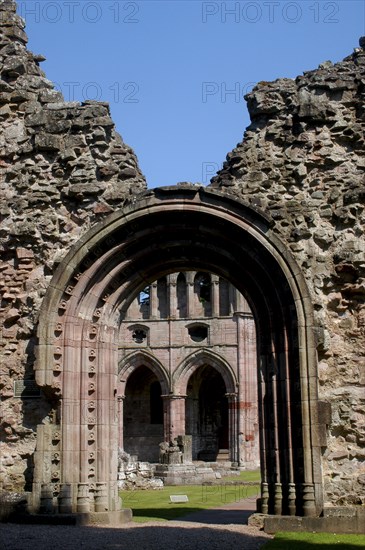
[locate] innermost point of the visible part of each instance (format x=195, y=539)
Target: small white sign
x=176, y=499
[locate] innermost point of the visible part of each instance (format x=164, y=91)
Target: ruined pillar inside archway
x=167, y=230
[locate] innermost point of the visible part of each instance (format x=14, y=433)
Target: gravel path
x=172, y=535
x=218, y=529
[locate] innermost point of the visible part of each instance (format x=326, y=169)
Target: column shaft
x=154, y=301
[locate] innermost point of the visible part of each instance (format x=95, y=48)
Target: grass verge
x=311, y=541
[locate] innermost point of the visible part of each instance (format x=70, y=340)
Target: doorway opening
x=207, y=415
x=143, y=415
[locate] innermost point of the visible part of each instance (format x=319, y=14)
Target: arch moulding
x=134, y=360
x=196, y=360
x=164, y=231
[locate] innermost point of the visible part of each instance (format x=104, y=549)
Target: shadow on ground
x=218, y=517
x=197, y=515
x=141, y=537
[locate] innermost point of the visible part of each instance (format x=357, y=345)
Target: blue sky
x=175, y=72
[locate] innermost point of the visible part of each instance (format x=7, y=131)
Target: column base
x=335, y=520
x=118, y=517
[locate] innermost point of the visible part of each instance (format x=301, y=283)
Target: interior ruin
x=197, y=318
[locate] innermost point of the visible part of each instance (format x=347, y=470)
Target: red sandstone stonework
x=282, y=222
x=171, y=341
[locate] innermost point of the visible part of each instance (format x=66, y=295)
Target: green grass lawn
x=311, y=541
x=252, y=475
x=155, y=504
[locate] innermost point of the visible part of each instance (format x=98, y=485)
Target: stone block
x=273, y=524
x=48, y=142
x=335, y=522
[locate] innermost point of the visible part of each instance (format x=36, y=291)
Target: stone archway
x=170, y=229
x=198, y=359
x=189, y=380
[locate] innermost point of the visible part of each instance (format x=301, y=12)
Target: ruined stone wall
x=302, y=161
x=62, y=168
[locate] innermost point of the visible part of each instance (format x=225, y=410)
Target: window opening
x=139, y=335
x=204, y=285
x=198, y=333
x=144, y=296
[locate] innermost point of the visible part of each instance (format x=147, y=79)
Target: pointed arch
x=198, y=359
x=170, y=230
x=134, y=360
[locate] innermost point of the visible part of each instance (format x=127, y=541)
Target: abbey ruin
x=81, y=240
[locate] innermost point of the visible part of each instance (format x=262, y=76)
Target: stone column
x=65, y=499
x=106, y=432
x=174, y=416
x=247, y=376
x=232, y=426
x=291, y=503
x=275, y=381
x=190, y=296
x=101, y=497
x=120, y=422
x=89, y=407
x=154, y=301
x=171, y=285
x=47, y=435
x=231, y=299
x=265, y=432
x=309, y=501
x=242, y=305
x=166, y=417
x=83, y=502
x=215, y=295
x=72, y=426
x=46, y=499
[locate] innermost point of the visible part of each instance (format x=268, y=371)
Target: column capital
x=172, y=279
x=189, y=277
x=231, y=395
